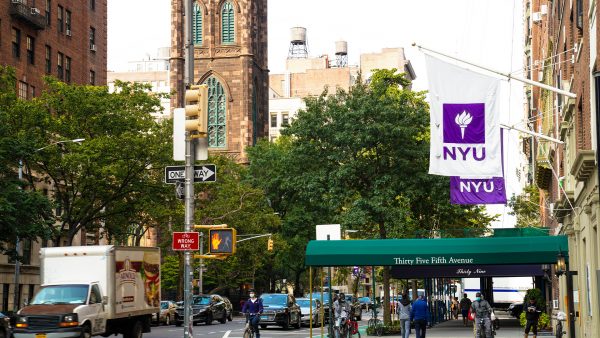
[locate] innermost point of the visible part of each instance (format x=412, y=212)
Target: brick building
x=65, y=39
x=230, y=55
x=561, y=50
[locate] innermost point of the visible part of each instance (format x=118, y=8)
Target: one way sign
x=202, y=173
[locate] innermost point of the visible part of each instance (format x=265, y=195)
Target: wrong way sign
x=202, y=173
x=186, y=241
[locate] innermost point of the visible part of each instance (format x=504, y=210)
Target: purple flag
x=479, y=190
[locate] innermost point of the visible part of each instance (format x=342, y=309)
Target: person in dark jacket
x=532, y=314
x=253, y=307
x=465, y=305
x=483, y=313
x=419, y=315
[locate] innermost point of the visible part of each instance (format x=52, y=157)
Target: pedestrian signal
x=222, y=241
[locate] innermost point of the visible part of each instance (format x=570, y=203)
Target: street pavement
x=509, y=328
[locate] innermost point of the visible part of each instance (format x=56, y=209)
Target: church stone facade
x=230, y=55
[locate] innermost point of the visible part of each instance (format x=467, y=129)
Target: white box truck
x=93, y=290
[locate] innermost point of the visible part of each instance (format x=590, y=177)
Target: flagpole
x=542, y=136
x=507, y=75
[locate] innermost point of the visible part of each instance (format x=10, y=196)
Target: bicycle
x=249, y=329
x=374, y=324
x=350, y=328
x=560, y=317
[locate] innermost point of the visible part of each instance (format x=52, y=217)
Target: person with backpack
x=404, y=312
x=465, y=305
x=483, y=312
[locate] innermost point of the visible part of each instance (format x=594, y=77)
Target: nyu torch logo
x=464, y=131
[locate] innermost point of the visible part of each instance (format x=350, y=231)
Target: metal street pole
x=17, y=262
x=189, y=177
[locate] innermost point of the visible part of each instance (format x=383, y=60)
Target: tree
x=24, y=212
x=526, y=207
x=360, y=158
x=111, y=180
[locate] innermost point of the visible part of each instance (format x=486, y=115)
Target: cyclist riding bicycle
x=341, y=310
x=252, y=308
x=483, y=312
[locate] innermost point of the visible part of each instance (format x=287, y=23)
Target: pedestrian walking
x=532, y=315
x=404, y=312
x=465, y=305
x=419, y=315
x=454, y=307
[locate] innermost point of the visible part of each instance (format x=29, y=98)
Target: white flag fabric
x=465, y=134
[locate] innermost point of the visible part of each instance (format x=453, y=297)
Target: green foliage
x=24, y=212
x=526, y=207
x=543, y=321
x=169, y=272
x=537, y=295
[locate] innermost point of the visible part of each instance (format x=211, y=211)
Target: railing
x=29, y=14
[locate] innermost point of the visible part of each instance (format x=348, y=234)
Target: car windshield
x=164, y=305
x=304, y=302
x=274, y=299
x=201, y=300
x=61, y=294
x=317, y=295
x=364, y=299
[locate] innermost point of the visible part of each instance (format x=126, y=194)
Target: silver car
x=304, y=304
x=167, y=313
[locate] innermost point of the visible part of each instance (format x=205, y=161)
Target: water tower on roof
x=341, y=53
x=298, y=44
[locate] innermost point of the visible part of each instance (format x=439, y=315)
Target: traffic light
x=270, y=245
x=196, y=110
x=221, y=241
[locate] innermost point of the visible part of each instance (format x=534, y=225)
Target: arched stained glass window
x=197, y=24
x=217, y=113
x=227, y=23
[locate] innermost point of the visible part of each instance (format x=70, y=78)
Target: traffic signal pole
x=189, y=175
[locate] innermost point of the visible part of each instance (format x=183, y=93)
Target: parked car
x=365, y=303
x=325, y=303
x=228, y=307
x=304, y=304
x=205, y=309
x=355, y=306
x=168, y=309
x=5, y=329
x=280, y=309
x=515, y=309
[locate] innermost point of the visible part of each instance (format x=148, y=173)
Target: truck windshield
x=61, y=294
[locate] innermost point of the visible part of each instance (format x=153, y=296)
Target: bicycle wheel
x=378, y=327
x=248, y=333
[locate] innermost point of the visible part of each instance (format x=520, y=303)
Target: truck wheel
x=135, y=331
x=86, y=331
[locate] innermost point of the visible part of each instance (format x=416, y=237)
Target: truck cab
x=65, y=310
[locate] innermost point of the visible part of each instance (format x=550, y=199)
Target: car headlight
x=21, y=322
x=69, y=320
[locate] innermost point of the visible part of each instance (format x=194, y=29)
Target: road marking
x=226, y=335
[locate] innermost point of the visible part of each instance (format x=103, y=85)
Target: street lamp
x=561, y=264
x=17, y=242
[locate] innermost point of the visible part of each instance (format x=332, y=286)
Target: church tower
x=230, y=55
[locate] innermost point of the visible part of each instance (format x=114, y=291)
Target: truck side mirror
x=104, y=300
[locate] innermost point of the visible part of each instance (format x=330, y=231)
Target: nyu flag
x=465, y=135
x=479, y=191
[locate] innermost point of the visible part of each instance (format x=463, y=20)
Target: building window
x=48, y=59
x=31, y=92
x=16, y=42
x=22, y=90
x=285, y=119
x=59, y=66
x=5, y=292
x=227, y=23
x=93, y=5
x=26, y=257
x=68, y=69
x=48, y=12
x=197, y=25
x=68, y=21
x=92, y=77
x=217, y=113
x=273, y=120
x=579, y=9
x=31, y=291
x=30, y=50
x=92, y=38
x=60, y=20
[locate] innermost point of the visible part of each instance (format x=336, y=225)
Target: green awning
x=438, y=251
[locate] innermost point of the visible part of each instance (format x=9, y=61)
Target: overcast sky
x=488, y=32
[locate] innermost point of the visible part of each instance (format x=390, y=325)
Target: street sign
x=202, y=173
x=186, y=241
x=180, y=190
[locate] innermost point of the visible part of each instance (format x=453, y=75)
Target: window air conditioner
x=35, y=11
x=536, y=17
x=555, y=303
x=93, y=48
x=544, y=9
x=68, y=32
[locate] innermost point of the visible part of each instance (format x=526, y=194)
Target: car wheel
x=168, y=320
x=298, y=323
x=224, y=319
x=286, y=324
x=209, y=319
x=230, y=316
